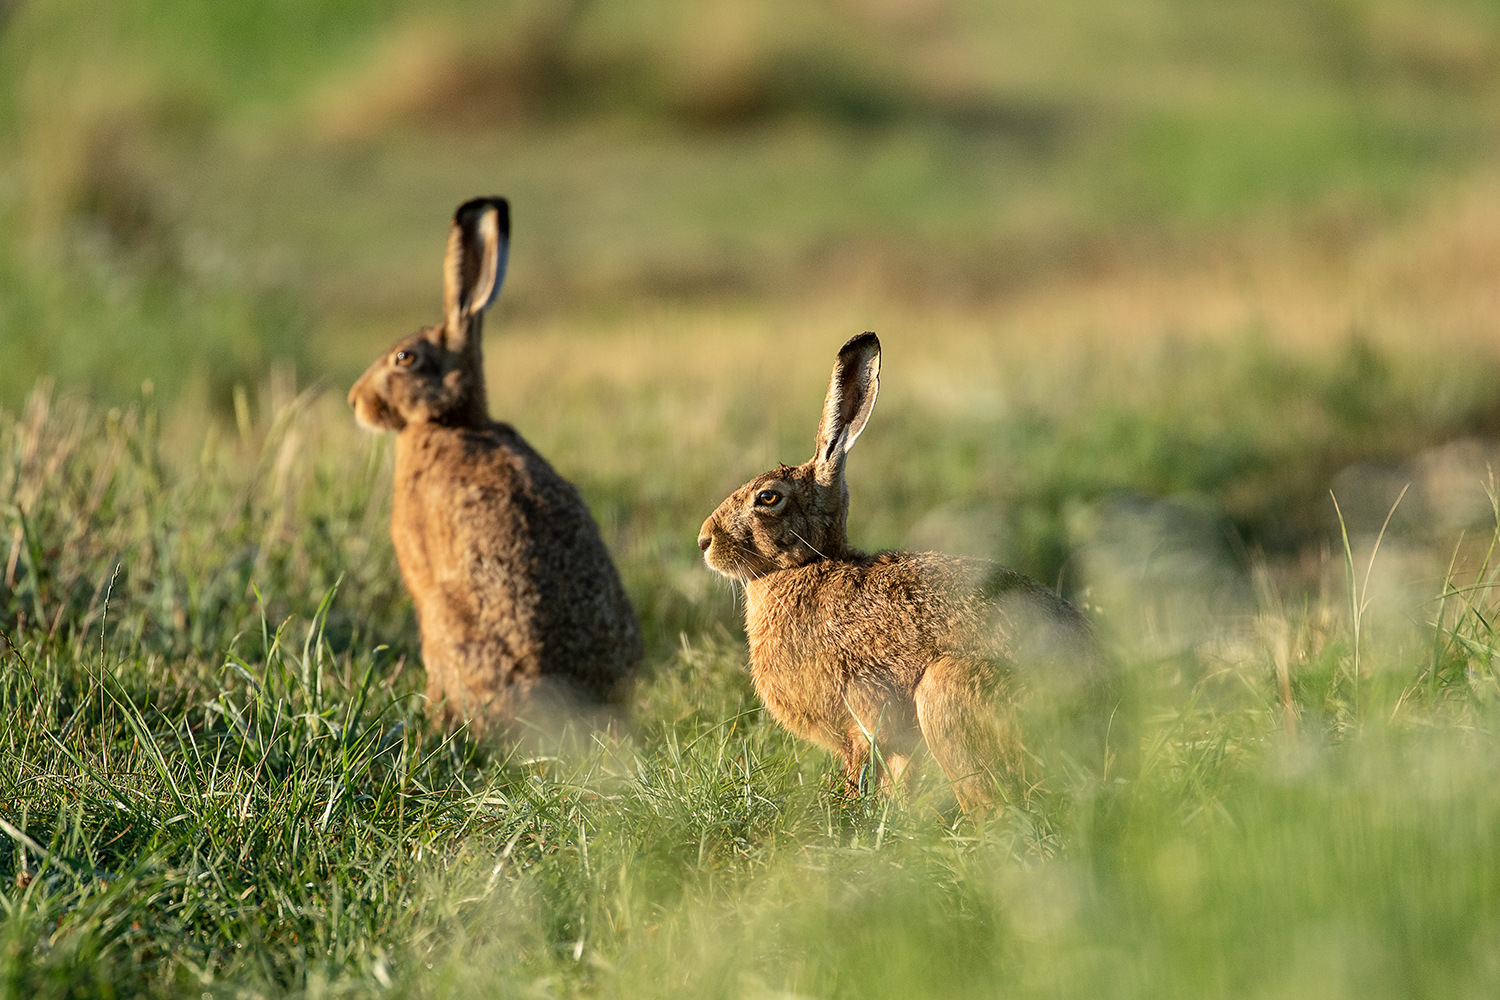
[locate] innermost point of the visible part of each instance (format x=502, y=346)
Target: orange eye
x=405, y=358
x=767, y=498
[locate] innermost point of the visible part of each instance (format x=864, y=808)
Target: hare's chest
x=803, y=693
x=799, y=676
x=414, y=550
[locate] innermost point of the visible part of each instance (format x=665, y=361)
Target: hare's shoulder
x=491, y=458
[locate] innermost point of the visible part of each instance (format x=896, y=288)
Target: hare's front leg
x=971, y=731
x=881, y=737
x=892, y=769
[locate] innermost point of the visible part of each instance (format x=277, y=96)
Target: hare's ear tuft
x=474, y=268
x=851, y=396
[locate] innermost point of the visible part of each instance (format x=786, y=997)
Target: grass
x=220, y=779
x=1151, y=277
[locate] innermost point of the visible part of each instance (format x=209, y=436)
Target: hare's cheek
x=766, y=542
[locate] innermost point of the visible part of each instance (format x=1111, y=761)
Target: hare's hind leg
x=970, y=731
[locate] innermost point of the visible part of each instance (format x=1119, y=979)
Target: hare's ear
x=851, y=397
x=474, y=268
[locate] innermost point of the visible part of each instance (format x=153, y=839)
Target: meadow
x=1157, y=285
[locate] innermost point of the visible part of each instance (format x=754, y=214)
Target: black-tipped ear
x=474, y=268
x=851, y=396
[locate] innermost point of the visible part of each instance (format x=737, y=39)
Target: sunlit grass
x=220, y=777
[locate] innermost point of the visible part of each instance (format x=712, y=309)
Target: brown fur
x=518, y=600
x=849, y=649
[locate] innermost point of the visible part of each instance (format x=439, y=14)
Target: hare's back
x=529, y=517
x=973, y=607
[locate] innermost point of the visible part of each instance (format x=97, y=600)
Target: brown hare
x=851, y=650
x=518, y=601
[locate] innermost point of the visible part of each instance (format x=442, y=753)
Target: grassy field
x=1152, y=278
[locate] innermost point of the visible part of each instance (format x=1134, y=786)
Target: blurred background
x=195, y=189
x=1213, y=255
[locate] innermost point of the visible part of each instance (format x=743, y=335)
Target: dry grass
x=1424, y=280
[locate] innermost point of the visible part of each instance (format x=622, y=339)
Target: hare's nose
x=704, y=541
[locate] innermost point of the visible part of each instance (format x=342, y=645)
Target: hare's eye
x=405, y=358
x=767, y=498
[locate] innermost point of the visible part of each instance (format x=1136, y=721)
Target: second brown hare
x=852, y=650
x=518, y=601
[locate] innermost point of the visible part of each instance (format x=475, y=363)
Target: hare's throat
x=757, y=592
x=765, y=604
x=781, y=603
x=767, y=612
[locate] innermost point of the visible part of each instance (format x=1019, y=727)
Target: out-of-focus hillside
x=200, y=187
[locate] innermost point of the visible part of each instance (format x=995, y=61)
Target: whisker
x=743, y=565
x=806, y=542
x=781, y=602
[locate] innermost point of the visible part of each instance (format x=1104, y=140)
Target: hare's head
x=436, y=375
x=795, y=515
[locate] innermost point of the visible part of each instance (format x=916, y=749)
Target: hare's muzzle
x=706, y=536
